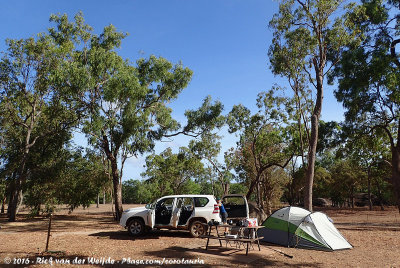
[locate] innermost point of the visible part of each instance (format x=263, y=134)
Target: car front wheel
x=136, y=227
x=197, y=228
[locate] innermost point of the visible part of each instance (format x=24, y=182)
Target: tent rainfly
x=297, y=227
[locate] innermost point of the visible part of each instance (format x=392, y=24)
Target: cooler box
x=252, y=222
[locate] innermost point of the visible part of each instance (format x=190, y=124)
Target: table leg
x=220, y=243
x=247, y=249
x=208, y=238
x=258, y=241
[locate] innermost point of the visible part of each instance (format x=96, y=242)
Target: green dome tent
x=297, y=227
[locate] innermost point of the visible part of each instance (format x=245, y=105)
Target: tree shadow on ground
x=234, y=257
x=156, y=234
x=364, y=226
x=59, y=223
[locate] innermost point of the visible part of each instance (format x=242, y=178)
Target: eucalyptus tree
x=32, y=108
x=81, y=177
x=3, y=194
x=347, y=178
x=369, y=76
x=369, y=152
x=309, y=36
x=173, y=172
x=208, y=147
x=126, y=104
x=262, y=141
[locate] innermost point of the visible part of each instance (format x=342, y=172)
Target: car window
x=167, y=202
x=234, y=200
x=188, y=203
x=201, y=201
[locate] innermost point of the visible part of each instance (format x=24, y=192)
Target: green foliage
x=146, y=191
x=173, y=173
x=328, y=136
x=208, y=148
x=208, y=182
x=262, y=135
x=81, y=180
x=205, y=119
x=322, y=182
x=263, y=146
x=139, y=192
x=381, y=182
x=126, y=104
x=309, y=37
x=369, y=76
x=32, y=108
x=346, y=181
x=238, y=188
x=65, y=177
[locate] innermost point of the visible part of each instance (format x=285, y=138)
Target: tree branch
x=393, y=52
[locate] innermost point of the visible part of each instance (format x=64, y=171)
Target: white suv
x=188, y=212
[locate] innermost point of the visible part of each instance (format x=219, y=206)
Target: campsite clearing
x=92, y=235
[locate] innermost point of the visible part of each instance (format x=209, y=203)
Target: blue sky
x=224, y=42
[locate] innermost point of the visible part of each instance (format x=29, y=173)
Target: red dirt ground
x=92, y=234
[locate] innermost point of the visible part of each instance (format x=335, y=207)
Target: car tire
x=197, y=228
x=136, y=227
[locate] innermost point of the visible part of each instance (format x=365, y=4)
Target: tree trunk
x=369, y=189
x=251, y=187
x=15, y=199
x=104, y=197
x=112, y=202
x=117, y=189
x=263, y=195
x=396, y=173
x=258, y=195
x=308, y=189
x=268, y=210
x=21, y=174
x=212, y=186
x=98, y=200
x=3, y=201
x=226, y=188
x=319, y=69
x=352, y=197
x=380, y=197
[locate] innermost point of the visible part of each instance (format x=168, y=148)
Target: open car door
x=236, y=206
x=176, y=213
x=163, y=211
x=151, y=218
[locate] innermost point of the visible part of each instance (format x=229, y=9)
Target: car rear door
x=176, y=212
x=187, y=210
x=236, y=206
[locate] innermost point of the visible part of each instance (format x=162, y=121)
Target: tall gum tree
x=309, y=36
x=126, y=104
x=369, y=75
x=31, y=107
x=262, y=143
